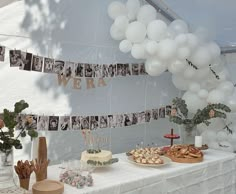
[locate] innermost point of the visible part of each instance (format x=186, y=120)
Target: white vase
x=34, y=148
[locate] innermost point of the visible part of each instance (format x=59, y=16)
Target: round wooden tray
x=185, y=160
x=48, y=187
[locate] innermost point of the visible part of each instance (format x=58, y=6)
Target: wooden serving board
x=48, y=187
x=185, y=160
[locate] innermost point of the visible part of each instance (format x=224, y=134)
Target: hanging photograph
x=84, y=122
x=48, y=65
x=34, y=123
x=15, y=58
x=97, y=71
x=135, y=69
x=59, y=67
x=75, y=122
x=88, y=70
x=2, y=53
x=43, y=123
x=142, y=70
x=94, y=122
x=20, y=119
x=120, y=69
x=112, y=70
x=141, y=117
x=119, y=120
x=155, y=114
x=128, y=119
x=69, y=69
x=37, y=64
x=148, y=115
x=111, y=121
x=162, y=112
x=25, y=61
x=104, y=70
x=53, y=123
x=103, y=121
x=168, y=110
x=64, y=123
x=134, y=118
x=79, y=70
x=127, y=71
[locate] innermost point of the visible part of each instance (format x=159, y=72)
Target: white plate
x=165, y=159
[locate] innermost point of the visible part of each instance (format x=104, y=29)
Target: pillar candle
x=198, y=141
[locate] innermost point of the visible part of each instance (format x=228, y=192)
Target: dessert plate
x=165, y=159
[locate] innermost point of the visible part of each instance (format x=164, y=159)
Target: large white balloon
x=201, y=57
x=193, y=41
x=214, y=49
x=136, y=32
x=146, y=14
x=216, y=96
x=156, y=30
x=203, y=93
x=222, y=136
x=138, y=51
x=179, y=82
x=231, y=102
x=133, y=7
x=121, y=22
x=201, y=74
x=116, y=33
x=193, y=101
x=154, y=67
x=226, y=146
x=125, y=46
x=178, y=27
x=189, y=72
x=167, y=50
x=227, y=87
x=214, y=145
x=181, y=40
x=177, y=66
x=151, y=47
x=183, y=53
x=116, y=9
x=194, y=87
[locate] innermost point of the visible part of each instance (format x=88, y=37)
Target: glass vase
x=188, y=133
x=6, y=169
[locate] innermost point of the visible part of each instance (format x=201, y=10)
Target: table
x=215, y=175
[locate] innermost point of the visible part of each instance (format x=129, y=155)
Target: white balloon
x=179, y=82
x=216, y=96
x=211, y=135
x=193, y=101
x=203, y=93
x=116, y=9
x=222, y=136
x=201, y=73
x=176, y=67
x=194, y=87
x=156, y=30
x=183, y=53
x=214, y=145
x=154, y=67
x=125, y=46
x=136, y=32
x=151, y=47
x=227, y=87
x=214, y=49
x=121, y=22
x=146, y=14
x=223, y=75
x=203, y=34
x=181, y=40
x=189, y=72
x=116, y=33
x=231, y=102
x=178, y=27
x=193, y=41
x=226, y=146
x=167, y=49
x=138, y=51
x=133, y=7
x=201, y=57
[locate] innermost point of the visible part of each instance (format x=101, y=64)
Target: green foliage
x=201, y=116
x=7, y=140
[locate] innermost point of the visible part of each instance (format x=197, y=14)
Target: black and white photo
x=2, y=53
x=119, y=120
x=75, y=123
x=103, y=121
x=168, y=110
x=15, y=58
x=20, y=119
x=84, y=122
x=64, y=123
x=48, y=65
x=79, y=70
x=34, y=123
x=37, y=64
x=135, y=119
x=97, y=71
x=112, y=70
x=148, y=115
x=162, y=112
x=135, y=69
x=88, y=70
x=104, y=70
x=141, y=117
x=59, y=67
x=120, y=69
x=53, y=123
x=43, y=123
x=25, y=61
x=94, y=122
x=128, y=119
x=111, y=121
x=127, y=71
x=155, y=114
x=69, y=69
x=142, y=70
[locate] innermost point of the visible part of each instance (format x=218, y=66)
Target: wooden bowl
x=186, y=160
x=48, y=187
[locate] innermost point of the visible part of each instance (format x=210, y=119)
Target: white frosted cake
x=102, y=156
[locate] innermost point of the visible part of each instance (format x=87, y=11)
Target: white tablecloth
x=215, y=175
